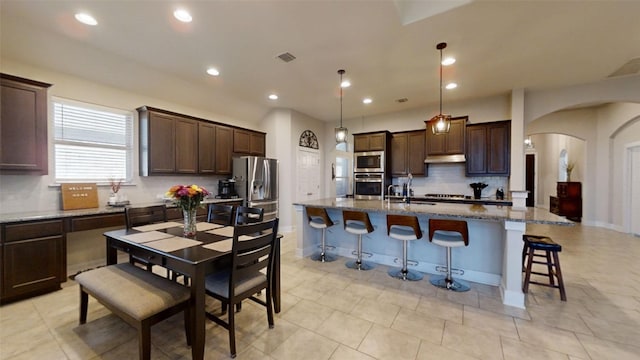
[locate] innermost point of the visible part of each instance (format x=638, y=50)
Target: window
x=342, y=177
x=92, y=143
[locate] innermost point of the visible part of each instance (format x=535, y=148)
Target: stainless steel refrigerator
x=257, y=183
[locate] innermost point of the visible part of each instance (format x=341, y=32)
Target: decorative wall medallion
x=308, y=139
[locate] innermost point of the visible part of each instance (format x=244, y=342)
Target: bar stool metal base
x=405, y=274
x=449, y=284
x=362, y=265
x=323, y=257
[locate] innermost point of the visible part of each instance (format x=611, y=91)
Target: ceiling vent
x=631, y=67
x=286, y=57
x=402, y=100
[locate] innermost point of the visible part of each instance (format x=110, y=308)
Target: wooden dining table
x=206, y=253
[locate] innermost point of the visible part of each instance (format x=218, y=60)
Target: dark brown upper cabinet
x=23, y=126
x=206, y=148
x=172, y=143
x=408, y=153
x=246, y=142
x=215, y=149
x=224, y=150
x=168, y=143
x=488, y=149
x=451, y=143
x=377, y=141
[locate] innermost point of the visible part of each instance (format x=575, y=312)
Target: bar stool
x=357, y=223
x=319, y=219
x=405, y=228
x=551, y=250
x=449, y=233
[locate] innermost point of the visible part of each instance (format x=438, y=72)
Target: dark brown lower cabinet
x=33, y=258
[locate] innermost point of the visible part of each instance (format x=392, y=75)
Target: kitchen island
x=493, y=257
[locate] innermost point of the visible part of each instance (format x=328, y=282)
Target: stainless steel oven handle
x=369, y=180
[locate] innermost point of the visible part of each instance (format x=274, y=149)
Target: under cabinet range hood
x=444, y=159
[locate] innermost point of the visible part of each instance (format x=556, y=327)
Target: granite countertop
x=54, y=214
x=467, y=211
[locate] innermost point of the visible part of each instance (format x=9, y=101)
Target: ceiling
x=388, y=49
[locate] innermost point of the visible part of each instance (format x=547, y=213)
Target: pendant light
x=440, y=123
x=341, y=132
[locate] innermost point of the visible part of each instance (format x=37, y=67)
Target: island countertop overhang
x=530, y=215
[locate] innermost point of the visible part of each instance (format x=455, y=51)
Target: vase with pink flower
x=188, y=198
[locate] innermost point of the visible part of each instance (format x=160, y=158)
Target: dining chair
x=138, y=216
x=251, y=270
x=248, y=215
x=220, y=214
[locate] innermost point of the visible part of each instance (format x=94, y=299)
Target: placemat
x=204, y=226
x=172, y=244
x=221, y=246
x=223, y=231
x=144, y=237
x=158, y=226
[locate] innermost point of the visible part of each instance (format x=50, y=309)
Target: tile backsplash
x=24, y=193
x=451, y=179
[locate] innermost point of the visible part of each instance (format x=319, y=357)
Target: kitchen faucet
x=407, y=199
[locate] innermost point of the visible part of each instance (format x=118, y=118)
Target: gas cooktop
x=445, y=196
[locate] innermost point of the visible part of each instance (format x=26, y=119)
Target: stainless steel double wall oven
x=369, y=177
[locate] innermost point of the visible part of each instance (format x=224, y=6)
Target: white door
x=309, y=174
x=635, y=189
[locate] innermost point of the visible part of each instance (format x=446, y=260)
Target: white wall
x=34, y=193
x=479, y=111
x=617, y=127
x=277, y=125
x=605, y=129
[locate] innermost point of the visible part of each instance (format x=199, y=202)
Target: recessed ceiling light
x=86, y=19
x=273, y=97
x=182, y=15
x=367, y=101
x=451, y=86
x=213, y=71
x=448, y=61
x=345, y=84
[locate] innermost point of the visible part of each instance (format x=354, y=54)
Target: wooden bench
x=138, y=297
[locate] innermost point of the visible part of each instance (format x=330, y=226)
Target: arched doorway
x=549, y=155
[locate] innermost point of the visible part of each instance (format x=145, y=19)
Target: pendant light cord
x=340, y=72
x=440, y=81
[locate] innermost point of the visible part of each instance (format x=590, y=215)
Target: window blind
x=92, y=143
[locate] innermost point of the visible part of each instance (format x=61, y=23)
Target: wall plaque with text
x=79, y=196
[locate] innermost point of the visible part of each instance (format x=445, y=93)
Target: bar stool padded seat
x=448, y=238
x=356, y=227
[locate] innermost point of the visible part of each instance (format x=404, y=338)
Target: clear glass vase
x=189, y=223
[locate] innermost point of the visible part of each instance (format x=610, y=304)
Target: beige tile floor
x=331, y=312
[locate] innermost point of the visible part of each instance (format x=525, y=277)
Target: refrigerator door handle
x=267, y=179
